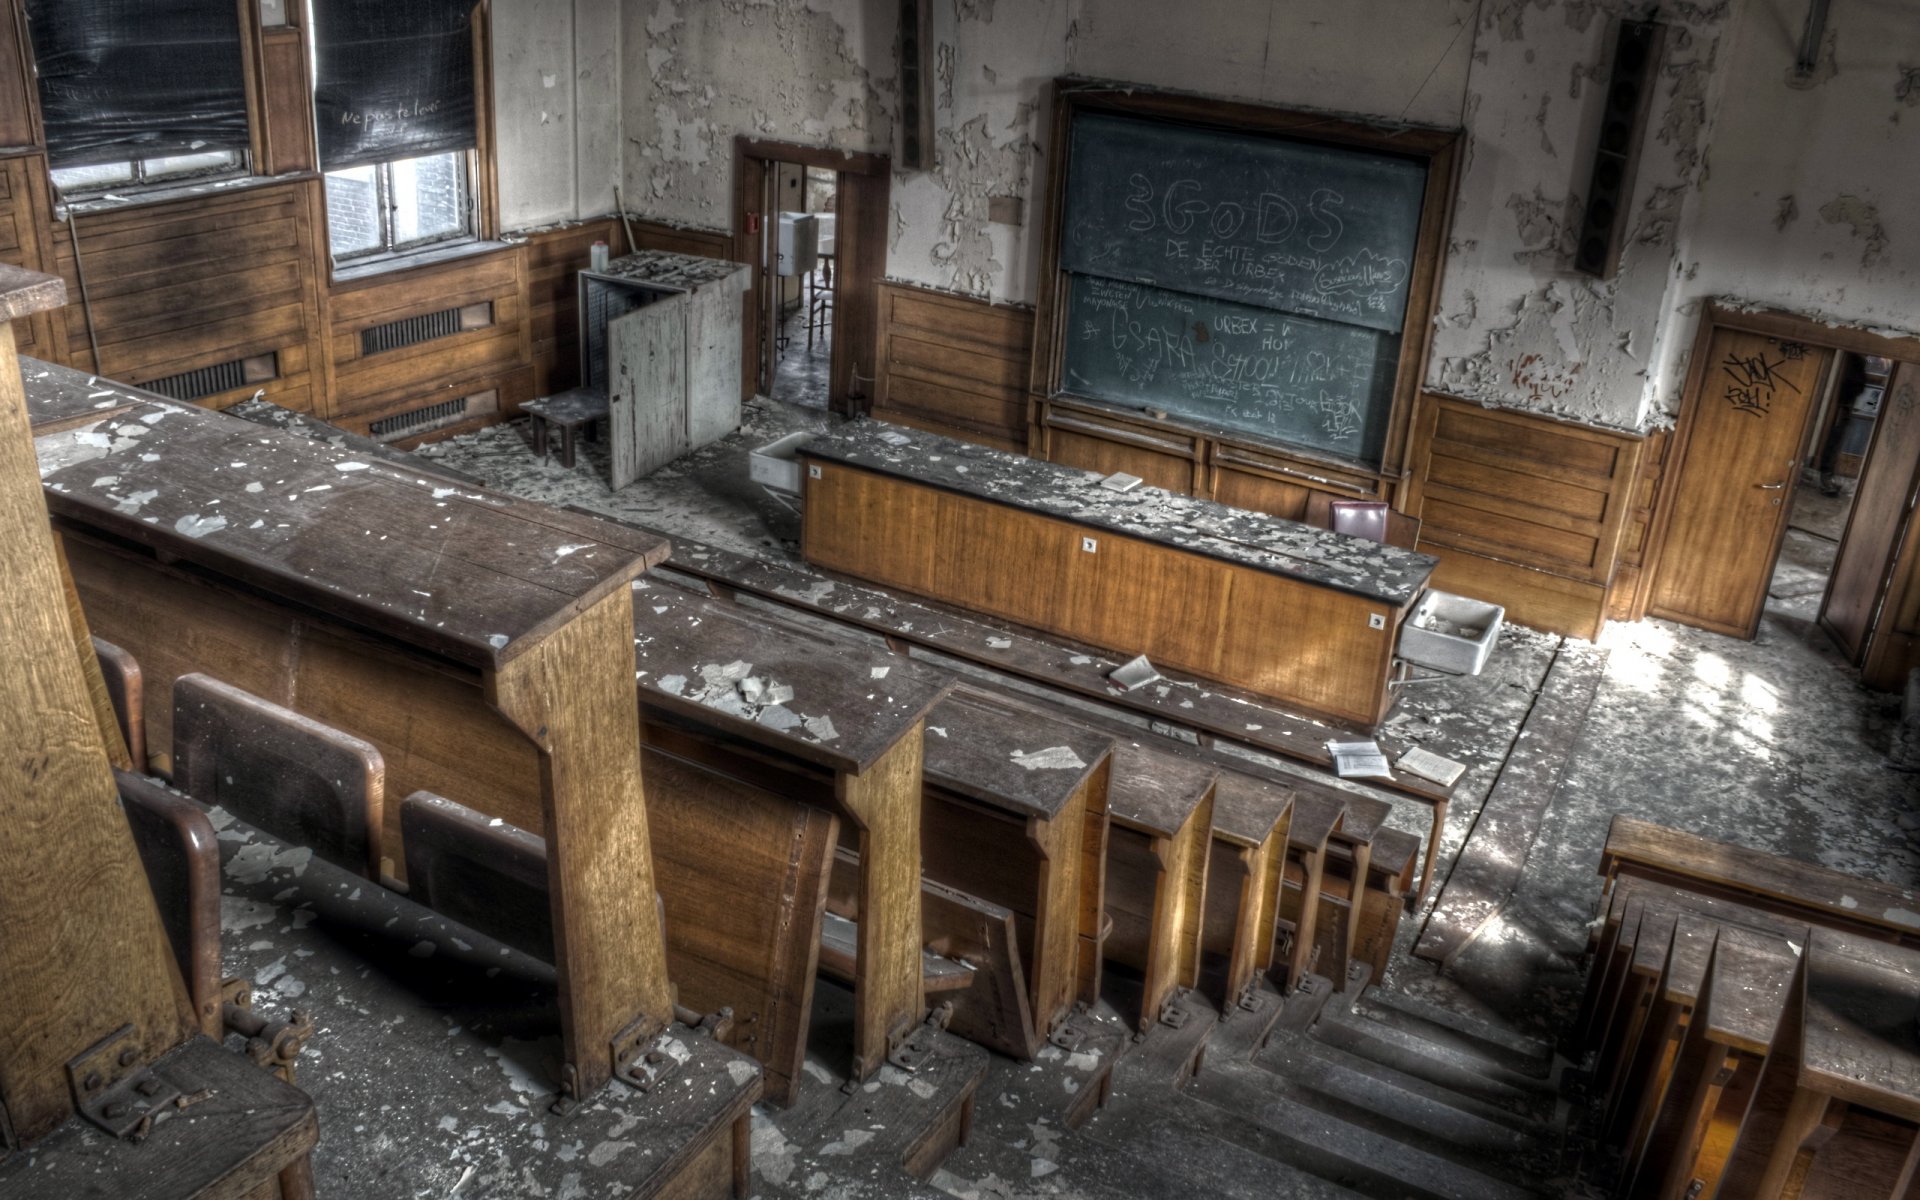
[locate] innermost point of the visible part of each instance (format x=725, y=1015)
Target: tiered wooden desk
x=1302, y=615
x=848, y=742
x=1753, y=1022
x=96, y=1024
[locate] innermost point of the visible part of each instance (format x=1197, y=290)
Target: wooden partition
x=954, y=365
x=1522, y=510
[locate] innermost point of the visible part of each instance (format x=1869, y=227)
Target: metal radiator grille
x=201, y=381
x=429, y=417
x=410, y=331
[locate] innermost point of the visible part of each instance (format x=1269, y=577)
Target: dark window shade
x=127, y=79
x=395, y=80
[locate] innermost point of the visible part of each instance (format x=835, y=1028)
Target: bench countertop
x=1007, y=755
x=468, y=574
x=1287, y=548
x=850, y=704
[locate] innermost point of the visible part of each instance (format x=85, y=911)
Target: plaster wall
x=698, y=72
x=556, y=81
x=1728, y=141
x=1812, y=203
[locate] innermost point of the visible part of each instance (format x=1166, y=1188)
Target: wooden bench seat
x=181, y=854
x=304, y=782
x=822, y=724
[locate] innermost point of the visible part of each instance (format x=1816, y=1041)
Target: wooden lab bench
x=1016, y=815
x=479, y=643
x=100, y=1036
x=1159, y=831
x=839, y=729
x=1304, y=616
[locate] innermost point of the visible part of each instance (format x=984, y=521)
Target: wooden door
x=1745, y=423
x=1881, y=505
x=647, y=388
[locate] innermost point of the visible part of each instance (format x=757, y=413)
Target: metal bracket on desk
x=115, y=1091
x=908, y=1050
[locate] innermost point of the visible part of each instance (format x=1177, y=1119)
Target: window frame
x=139, y=183
x=391, y=250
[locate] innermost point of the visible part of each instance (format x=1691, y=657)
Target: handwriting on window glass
x=1753, y=382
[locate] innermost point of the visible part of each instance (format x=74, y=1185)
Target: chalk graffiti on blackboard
x=1754, y=382
x=1244, y=367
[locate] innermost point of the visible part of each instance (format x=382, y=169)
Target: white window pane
x=353, y=211
x=429, y=197
x=186, y=164
x=98, y=175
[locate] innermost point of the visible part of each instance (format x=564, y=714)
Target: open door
x=1743, y=426
x=1882, y=506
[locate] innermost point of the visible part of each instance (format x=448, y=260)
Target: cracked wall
x=1809, y=205
x=1517, y=326
x=698, y=72
x=556, y=83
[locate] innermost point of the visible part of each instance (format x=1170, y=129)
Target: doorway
x=812, y=312
x=1794, y=487
x=800, y=228
x=1823, y=503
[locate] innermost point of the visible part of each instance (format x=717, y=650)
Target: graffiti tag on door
x=1753, y=382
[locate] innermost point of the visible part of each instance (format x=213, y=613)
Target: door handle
x=1770, y=487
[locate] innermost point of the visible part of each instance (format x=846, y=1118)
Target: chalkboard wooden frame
x=1438, y=149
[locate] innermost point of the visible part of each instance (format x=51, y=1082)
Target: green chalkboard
x=1299, y=380
x=1320, y=231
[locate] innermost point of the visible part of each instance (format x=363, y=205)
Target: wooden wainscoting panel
x=953, y=365
x=1627, y=597
x=192, y=283
x=554, y=257
x=1523, y=510
x=23, y=241
x=1270, y=481
x=1094, y=440
x=286, y=98
x=367, y=387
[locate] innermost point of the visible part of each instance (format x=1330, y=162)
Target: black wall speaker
x=1623, y=125
x=916, y=86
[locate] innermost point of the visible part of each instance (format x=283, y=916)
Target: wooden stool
x=566, y=411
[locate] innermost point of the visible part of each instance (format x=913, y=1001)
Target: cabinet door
x=647, y=388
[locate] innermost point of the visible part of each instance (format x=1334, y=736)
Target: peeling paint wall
x=1792, y=192
x=698, y=72
x=556, y=83
x=1810, y=205
x=1517, y=325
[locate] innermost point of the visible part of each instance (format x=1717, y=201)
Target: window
x=138, y=93
x=394, y=101
x=149, y=172
x=392, y=207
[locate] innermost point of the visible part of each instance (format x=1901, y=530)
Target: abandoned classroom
x=981, y=599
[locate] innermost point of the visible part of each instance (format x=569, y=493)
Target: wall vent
x=220, y=377
x=425, y=327
x=428, y=418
